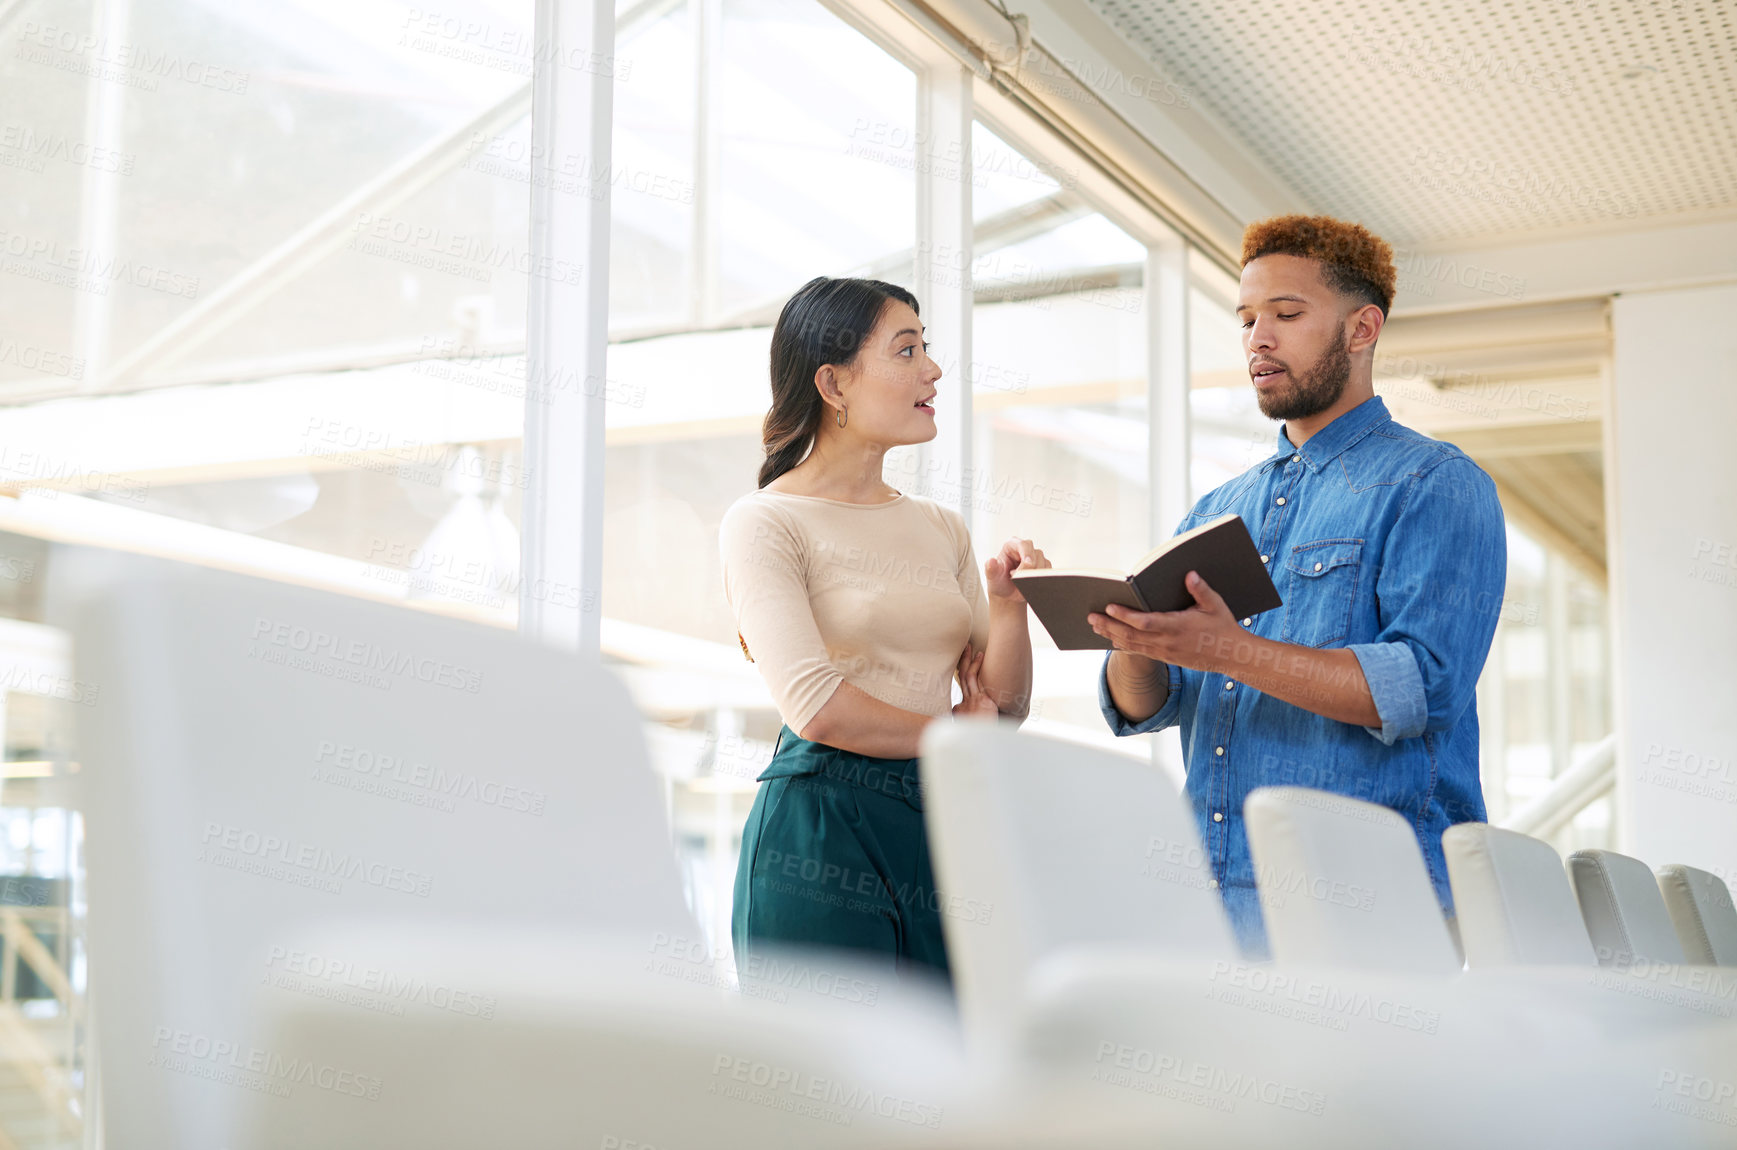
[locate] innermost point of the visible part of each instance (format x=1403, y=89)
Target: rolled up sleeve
x=1439, y=595
x=1396, y=685
x=1166, y=716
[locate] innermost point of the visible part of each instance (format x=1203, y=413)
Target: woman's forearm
x=854, y=720
x=1006, y=673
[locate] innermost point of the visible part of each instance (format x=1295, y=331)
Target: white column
x=105, y=108
x=1167, y=437
x=943, y=271
x=1671, y=497
x=1168, y=383
x=567, y=333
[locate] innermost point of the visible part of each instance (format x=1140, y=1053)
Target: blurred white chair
x=1060, y=846
x=1700, y=907
x=1342, y=883
x=1512, y=899
x=320, y=830
x=1623, y=910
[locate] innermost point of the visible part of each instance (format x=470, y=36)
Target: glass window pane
x=805, y=168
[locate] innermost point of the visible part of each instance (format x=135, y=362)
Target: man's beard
x=1313, y=393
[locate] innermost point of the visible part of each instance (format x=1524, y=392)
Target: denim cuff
x=1166, y=716
x=1396, y=685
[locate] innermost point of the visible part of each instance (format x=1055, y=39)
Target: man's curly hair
x=1354, y=261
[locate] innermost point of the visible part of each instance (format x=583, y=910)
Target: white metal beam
x=567, y=335
x=944, y=253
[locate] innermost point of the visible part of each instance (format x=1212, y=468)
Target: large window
x=1059, y=391
x=789, y=138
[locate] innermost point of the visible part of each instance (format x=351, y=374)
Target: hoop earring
x=842, y=416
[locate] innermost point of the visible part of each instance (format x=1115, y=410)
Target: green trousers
x=834, y=855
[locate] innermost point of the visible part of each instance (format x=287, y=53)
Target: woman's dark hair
x=825, y=322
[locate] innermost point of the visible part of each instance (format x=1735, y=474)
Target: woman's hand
x=1015, y=555
x=976, y=703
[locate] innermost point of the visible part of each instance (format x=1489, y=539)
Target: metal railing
x=1588, y=779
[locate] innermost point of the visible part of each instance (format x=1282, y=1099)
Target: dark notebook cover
x=1221, y=551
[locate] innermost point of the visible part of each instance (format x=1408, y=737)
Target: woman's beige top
x=882, y=596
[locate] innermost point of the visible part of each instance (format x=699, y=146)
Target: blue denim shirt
x=1382, y=541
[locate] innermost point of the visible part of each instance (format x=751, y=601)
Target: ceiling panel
x=1442, y=121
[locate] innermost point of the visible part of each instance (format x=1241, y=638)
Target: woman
x=860, y=605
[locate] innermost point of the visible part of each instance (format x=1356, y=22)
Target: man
x=1389, y=551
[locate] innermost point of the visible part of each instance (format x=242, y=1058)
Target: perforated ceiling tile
x=1440, y=120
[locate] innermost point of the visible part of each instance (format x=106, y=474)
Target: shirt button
x=1212, y=884
x=1228, y=686
x=1281, y=501
x=1248, y=622
x=1263, y=558
x=1317, y=566
x=1219, y=751
x=1218, y=816
x=1296, y=459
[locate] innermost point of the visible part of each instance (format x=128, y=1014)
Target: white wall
x=1672, y=492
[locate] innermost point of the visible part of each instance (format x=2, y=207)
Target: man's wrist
x=1137, y=672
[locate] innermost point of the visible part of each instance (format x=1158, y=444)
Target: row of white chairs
x=1108, y=925
x=1517, y=905
x=366, y=878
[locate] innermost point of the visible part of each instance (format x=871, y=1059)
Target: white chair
x=1623, y=910
x=1700, y=907
x=1342, y=883
x=1041, y=846
x=363, y=876
x=1512, y=899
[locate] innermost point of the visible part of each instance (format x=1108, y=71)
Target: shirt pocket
x=1320, y=588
